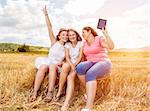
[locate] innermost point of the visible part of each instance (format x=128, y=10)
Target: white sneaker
x=85, y=109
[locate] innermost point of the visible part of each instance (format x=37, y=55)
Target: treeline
x=11, y=47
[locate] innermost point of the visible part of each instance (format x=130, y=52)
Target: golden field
x=126, y=89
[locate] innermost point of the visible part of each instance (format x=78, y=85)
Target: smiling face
x=72, y=36
x=85, y=34
x=63, y=36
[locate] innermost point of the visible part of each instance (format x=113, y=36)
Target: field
x=126, y=89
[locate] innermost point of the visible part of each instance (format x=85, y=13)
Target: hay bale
x=103, y=87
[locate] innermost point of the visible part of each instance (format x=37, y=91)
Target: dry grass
x=127, y=88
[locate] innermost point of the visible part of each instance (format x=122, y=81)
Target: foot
x=48, y=97
x=85, y=97
x=64, y=107
x=33, y=97
x=58, y=96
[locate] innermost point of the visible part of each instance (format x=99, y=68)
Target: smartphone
x=101, y=23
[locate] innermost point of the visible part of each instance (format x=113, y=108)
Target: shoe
x=85, y=109
x=85, y=97
x=48, y=97
x=57, y=98
x=33, y=97
x=64, y=107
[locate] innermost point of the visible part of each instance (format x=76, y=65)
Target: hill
x=12, y=47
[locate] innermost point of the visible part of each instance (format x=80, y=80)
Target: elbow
x=111, y=47
x=67, y=59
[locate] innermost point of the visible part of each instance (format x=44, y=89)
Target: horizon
x=140, y=48
x=22, y=21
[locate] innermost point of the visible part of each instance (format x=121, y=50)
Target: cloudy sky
x=128, y=23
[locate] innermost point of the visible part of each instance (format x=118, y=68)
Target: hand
x=105, y=32
x=59, y=64
x=72, y=67
x=45, y=10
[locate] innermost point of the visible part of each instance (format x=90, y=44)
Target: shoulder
x=99, y=38
x=80, y=43
x=67, y=45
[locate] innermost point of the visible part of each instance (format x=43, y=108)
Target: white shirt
x=74, y=51
x=57, y=53
x=55, y=56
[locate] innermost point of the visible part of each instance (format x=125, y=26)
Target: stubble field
x=126, y=89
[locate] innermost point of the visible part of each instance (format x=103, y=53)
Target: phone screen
x=101, y=23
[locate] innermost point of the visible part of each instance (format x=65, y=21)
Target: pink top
x=95, y=52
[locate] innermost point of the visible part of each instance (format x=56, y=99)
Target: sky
x=128, y=23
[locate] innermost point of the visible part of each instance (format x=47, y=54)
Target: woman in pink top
x=97, y=63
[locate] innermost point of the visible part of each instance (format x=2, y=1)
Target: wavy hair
x=92, y=30
x=61, y=30
x=78, y=35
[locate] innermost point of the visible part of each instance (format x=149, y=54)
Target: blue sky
x=3, y=2
x=22, y=21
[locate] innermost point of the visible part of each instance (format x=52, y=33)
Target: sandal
x=48, y=97
x=64, y=108
x=57, y=98
x=33, y=97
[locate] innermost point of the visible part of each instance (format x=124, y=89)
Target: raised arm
x=108, y=43
x=49, y=26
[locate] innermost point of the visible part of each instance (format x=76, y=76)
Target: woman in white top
x=55, y=57
x=73, y=57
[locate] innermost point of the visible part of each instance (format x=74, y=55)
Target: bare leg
x=62, y=79
x=52, y=80
x=70, y=90
x=38, y=79
x=82, y=79
x=91, y=92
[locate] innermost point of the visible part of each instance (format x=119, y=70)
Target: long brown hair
x=78, y=35
x=61, y=30
x=92, y=30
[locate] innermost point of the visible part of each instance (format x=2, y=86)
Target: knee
x=90, y=77
x=66, y=67
x=71, y=77
x=43, y=68
x=53, y=67
x=80, y=68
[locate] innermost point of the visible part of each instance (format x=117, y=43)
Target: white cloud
x=83, y=7
x=21, y=20
x=131, y=29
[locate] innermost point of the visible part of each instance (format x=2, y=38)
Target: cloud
x=22, y=19
x=83, y=7
x=131, y=29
